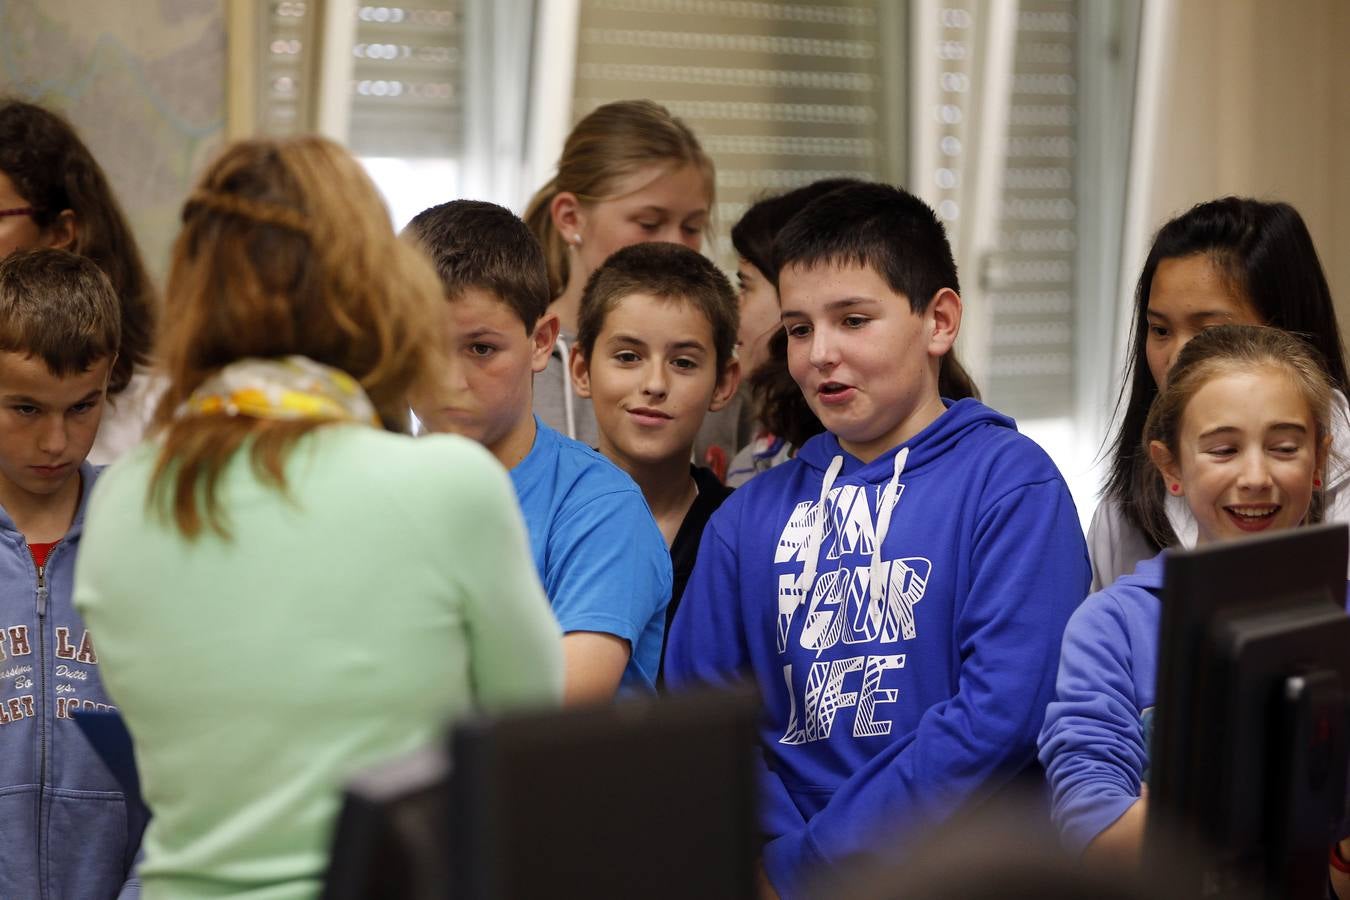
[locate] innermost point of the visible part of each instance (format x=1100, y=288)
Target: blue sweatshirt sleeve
x=707, y=646
x=1029, y=572
x=1092, y=745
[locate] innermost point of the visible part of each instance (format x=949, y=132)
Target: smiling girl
x=1240, y=432
x=1231, y=261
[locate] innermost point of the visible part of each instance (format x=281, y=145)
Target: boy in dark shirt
x=655, y=353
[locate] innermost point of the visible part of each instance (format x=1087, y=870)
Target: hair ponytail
x=539, y=219
x=954, y=382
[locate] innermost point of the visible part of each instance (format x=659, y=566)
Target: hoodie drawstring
x=886, y=504
x=885, y=509
x=813, y=540
x=569, y=413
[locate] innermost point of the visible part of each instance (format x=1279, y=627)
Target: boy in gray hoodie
x=64, y=826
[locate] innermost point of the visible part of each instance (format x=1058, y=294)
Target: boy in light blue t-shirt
x=603, y=563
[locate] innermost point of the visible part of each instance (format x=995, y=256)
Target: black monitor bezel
x=1224, y=607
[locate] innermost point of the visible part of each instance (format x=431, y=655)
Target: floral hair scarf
x=289, y=388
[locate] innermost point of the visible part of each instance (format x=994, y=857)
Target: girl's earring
x=1317, y=482
x=576, y=239
x=1176, y=488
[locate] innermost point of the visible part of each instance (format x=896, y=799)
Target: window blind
x=780, y=94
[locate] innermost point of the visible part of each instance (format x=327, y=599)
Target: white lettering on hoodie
x=868, y=604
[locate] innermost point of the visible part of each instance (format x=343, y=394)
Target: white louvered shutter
x=1030, y=280
x=780, y=94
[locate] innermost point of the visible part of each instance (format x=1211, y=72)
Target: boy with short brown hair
x=60, y=326
x=599, y=555
x=655, y=353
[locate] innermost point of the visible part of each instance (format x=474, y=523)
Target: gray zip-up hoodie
x=63, y=819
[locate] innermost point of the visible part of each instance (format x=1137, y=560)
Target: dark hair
x=475, y=244
x=893, y=233
x=58, y=307
x=1217, y=351
x=1019, y=858
x=779, y=405
x=1267, y=253
x=670, y=272
x=885, y=228
x=754, y=234
x=54, y=171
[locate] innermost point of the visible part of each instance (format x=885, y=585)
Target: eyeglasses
x=18, y=211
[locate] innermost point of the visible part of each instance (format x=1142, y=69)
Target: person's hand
x=1121, y=844
x=763, y=887
x=1340, y=881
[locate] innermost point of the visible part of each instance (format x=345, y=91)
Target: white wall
x=1256, y=101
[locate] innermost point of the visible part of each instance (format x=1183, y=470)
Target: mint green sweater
x=390, y=590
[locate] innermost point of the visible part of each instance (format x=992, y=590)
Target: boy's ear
x=61, y=234
x=727, y=383
x=568, y=216
x=581, y=372
x=542, y=340
x=1166, y=465
x=944, y=318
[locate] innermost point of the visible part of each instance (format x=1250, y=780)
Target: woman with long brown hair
x=53, y=193
x=283, y=588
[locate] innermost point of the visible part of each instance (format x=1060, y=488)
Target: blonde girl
x=630, y=172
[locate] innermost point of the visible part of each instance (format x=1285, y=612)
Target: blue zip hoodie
x=63, y=819
x=902, y=619
x=1095, y=742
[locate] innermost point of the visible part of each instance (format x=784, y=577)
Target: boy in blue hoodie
x=63, y=820
x=898, y=590
x=601, y=559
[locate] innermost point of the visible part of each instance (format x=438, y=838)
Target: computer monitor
x=650, y=798
x=390, y=839
x=1249, y=751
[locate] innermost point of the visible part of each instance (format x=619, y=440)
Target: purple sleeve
x=1093, y=746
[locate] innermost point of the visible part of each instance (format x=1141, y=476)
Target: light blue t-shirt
x=603, y=562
